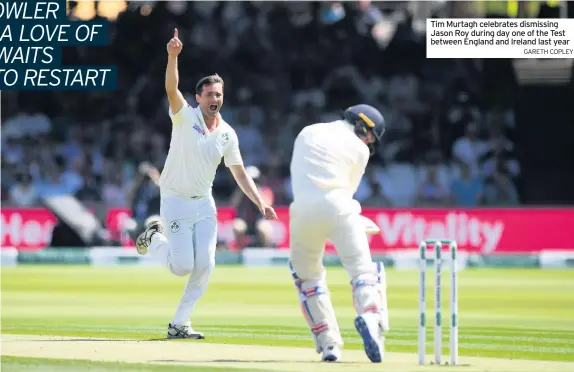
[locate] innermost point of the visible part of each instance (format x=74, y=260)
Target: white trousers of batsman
x=310, y=230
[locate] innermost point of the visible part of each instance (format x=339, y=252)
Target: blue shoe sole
x=330, y=358
x=371, y=346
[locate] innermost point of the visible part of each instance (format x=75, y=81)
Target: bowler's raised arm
x=176, y=100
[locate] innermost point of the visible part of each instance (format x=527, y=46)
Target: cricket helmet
x=365, y=119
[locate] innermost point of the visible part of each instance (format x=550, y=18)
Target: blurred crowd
x=285, y=66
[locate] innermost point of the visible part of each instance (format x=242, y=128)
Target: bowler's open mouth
x=213, y=107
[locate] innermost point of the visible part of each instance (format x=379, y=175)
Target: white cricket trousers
x=187, y=246
x=311, y=225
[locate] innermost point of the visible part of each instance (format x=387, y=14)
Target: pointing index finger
x=175, y=33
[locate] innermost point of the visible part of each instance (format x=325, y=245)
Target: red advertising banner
x=27, y=228
x=492, y=230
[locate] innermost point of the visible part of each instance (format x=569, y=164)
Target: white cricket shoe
x=331, y=353
x=183, y=331
x=369, y=327
x=144, y=239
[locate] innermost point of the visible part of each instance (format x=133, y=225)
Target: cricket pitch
x=267, y=358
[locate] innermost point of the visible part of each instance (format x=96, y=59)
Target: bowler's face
x=211, y=99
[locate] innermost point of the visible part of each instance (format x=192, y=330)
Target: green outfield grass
x=19, y=364
x=506, y=313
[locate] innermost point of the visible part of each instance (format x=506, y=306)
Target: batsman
x=329, y=160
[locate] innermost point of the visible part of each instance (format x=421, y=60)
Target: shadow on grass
x=237, y=361
x=96, y=339
x=267, y=361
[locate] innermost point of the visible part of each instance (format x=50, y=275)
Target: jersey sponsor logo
x=199, y=129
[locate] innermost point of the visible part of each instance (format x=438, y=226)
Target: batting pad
x=318, y=311
x=370, y=293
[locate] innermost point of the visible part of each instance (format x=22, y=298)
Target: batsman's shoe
x=144, y=239
x=369, y=329
x=183, y=331
x=331, y=353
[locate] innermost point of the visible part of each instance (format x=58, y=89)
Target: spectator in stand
x=499, y=188
x=114, y=192
x=469, y=148
x=379, y=185
x=501, y=115
x=51, y=184
x=500, y=150
x=467, y=190
x=23, y=194
x=249, y=226
x=28, y=122
x=12, y=151
x=144, y=199
x=72, y=177
x=90, y=191
x=430, y=191
x=252, y=146
x=462, y=110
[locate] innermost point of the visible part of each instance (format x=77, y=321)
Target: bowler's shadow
x=94, y=339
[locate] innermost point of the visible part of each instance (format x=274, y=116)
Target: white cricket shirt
x=328, y=161
x=195, y=153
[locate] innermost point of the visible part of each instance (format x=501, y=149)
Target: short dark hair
x=208, y=80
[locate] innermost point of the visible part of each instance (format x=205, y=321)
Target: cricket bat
x=371, y=228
